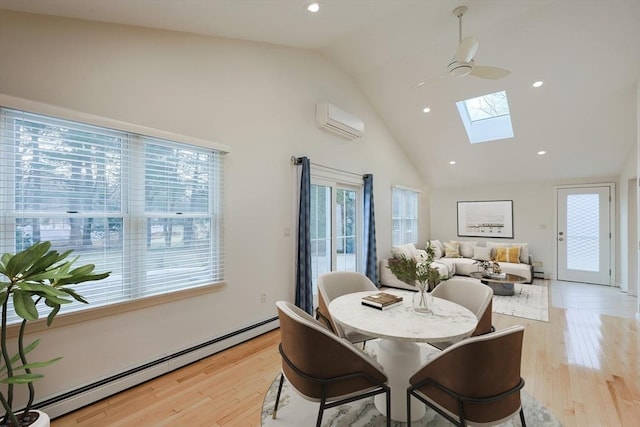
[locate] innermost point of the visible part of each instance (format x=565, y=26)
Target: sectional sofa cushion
x=421, y=255
x=408, y=251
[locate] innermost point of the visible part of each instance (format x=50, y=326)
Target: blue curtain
x=370, y=256
x=304, y=289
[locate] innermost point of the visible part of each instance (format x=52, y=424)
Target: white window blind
x=145, y=209
x=404, y=205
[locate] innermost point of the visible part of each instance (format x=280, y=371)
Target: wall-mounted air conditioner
x=335, y=120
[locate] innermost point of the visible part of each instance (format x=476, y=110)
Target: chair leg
x=275, y=407
x=408, y=410
x=388, y=395
x=320, y=411
x=524, y=423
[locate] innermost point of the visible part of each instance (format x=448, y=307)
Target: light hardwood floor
x=583, y=365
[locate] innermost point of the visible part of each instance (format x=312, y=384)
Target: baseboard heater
x=77, y=398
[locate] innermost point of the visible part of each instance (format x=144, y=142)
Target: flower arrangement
x=488, y=267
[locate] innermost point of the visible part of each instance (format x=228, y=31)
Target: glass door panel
x=584, y=234
x=320, y=231
x=346, y=230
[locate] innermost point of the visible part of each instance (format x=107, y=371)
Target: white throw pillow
x=466, y=248
x=438, y=249
x=408, y=251
x=481, y=254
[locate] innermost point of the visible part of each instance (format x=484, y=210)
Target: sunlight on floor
x=593, y=298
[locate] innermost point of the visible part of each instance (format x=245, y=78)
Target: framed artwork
x=492, y=218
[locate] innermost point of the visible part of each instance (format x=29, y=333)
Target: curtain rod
x=294, y=161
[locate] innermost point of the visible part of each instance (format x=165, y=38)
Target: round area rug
x=295, y=411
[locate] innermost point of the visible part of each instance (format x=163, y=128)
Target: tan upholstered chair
x=474, y=382
x=471, y=294
x=337, y=283
x=322, y=367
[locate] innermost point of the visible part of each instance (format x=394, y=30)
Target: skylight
x=486, y=118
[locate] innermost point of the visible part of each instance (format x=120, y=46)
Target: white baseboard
x=93, y=394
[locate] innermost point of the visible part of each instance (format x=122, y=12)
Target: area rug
x=294, y=411
x=529, y=301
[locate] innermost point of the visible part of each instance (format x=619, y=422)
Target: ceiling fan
x=462, y=63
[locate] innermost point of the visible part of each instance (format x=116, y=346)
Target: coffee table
x=500, y=286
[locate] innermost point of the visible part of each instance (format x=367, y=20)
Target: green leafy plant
x=34, y=276
x=410, y=271
x=403, y=268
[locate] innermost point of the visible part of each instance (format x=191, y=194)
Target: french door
x=335, y=228
x=584, y=234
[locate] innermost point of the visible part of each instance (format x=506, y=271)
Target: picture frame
x=490, y=218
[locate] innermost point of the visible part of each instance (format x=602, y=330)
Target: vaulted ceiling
x=587, y=52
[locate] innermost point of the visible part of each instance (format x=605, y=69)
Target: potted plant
x=32, y=277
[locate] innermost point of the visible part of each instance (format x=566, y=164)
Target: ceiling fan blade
x=493, y=73
x=467, y=49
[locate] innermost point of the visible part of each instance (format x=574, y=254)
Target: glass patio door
x=584, y=234
x=335, y=229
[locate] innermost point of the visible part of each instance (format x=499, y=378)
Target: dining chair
x=471, y=294
x=323, y=367
x=475, y=381
x=333, y=284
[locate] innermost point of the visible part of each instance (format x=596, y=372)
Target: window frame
x=398, y=190
x=494, y=127
x=131, y=131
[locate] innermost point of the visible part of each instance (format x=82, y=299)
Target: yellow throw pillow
x=511, y=254
x=451, y=250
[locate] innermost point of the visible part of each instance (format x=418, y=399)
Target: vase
x=421, y=301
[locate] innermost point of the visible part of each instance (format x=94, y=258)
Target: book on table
x=381, y=300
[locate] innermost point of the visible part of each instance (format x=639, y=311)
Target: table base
x=400, y=359
x=500, y=288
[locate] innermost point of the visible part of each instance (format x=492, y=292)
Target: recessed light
x=426, y=109
x=452, y=162
x=541, y=153
x=313, y=7
x=538, y=83
x=421, y=84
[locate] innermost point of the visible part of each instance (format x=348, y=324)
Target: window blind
x=404, y=205
x=147, y=210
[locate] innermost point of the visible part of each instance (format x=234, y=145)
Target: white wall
x=256, y=98
x=533, y=214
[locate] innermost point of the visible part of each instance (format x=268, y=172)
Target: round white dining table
x=401, y=329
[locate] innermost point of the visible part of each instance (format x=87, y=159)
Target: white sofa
x=461, y=264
